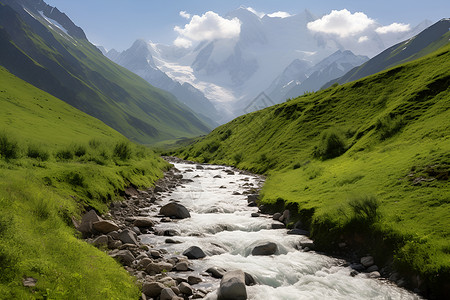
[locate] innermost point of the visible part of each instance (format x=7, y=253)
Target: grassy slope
x=76, y=72
x=396, y=125
x=39, y=196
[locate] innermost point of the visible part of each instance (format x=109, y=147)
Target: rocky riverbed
x=199, y=234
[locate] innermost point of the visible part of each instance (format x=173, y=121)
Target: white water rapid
x=221, y=224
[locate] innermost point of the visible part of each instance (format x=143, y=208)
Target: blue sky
x=117, y=24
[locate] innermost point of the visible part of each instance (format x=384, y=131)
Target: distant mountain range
x=42, y=46
x=232, y=72
x=300, y=77
x=139, y=60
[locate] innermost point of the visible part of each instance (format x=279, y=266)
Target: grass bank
x=54, y=163
x=365, y=160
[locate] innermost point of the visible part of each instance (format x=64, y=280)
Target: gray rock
x=156, y=268
x=252, y=198
x=374, y=274
x=175, y=210
x=182, y=266
x=143, y=222
x=87, y=220
x=249, y=279
x=100, y=241
x=255, y=215
x=285, y=217
x=114, y=235
x=185, y=288
x=105, y=226
x=232, y=286
x=194, y=280
x=265, y=249
x=155, y=254
x=123, y=256
x=29, y=282
x=276, y=216
x=128, y=237
x=357, y=267
x=194, y=252
x=144, y=263
x=167, y=294
x=172, y=241
x=367, y=261
x=152, y=289
x=216, y=272
x=278, y=226
x=297, y=231
x=372, y=268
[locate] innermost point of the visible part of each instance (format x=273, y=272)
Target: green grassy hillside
x=75, y=71
x=55, y=161
x=366, y=163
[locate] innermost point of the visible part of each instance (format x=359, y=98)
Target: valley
x=277, y=153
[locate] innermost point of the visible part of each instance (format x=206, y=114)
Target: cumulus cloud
x=185, y=15
x=363, y=39
x=342, y=23
x=258, y=13
x=280, y=14
x=393, y=28
x=209, y=26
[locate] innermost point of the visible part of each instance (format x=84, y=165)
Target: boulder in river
x=194, y=252
x=175, y=210
x=265, y=249
x=216, y=272
x=152, y=289
x=232, y=286
x=143, y=222
x=128, y=237
x=105, y=226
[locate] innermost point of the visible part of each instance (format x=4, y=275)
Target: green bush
x=332, y=144
x=37, y=152
x=64, y=154
x=9, y=148
x=79, y=150
x=238, y=157
x=365, y=208
x=122, y=150
x=388, y=126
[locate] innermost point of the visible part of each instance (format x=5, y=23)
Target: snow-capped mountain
x=297, y=81
x=139, y=60
x=231, y=72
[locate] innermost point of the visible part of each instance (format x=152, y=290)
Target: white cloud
x=363, y=39
x=280, y=14
x=342, y=23
x=185, y=15
x=209, y=26
x=258, y=13
x=182, y=42
x=394, y=27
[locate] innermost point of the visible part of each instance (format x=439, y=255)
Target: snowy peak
x=50, y=15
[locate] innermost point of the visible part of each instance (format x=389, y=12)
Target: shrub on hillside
x=365, y=208
x=79, y=150
x=36, y=152
x=332, y=144
x=9, y=148
x=122, y=150
x=388, y=126
x=64, y=154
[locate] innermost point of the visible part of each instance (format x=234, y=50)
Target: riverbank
x=154, y=258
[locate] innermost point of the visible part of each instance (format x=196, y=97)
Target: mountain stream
x=222, y=226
